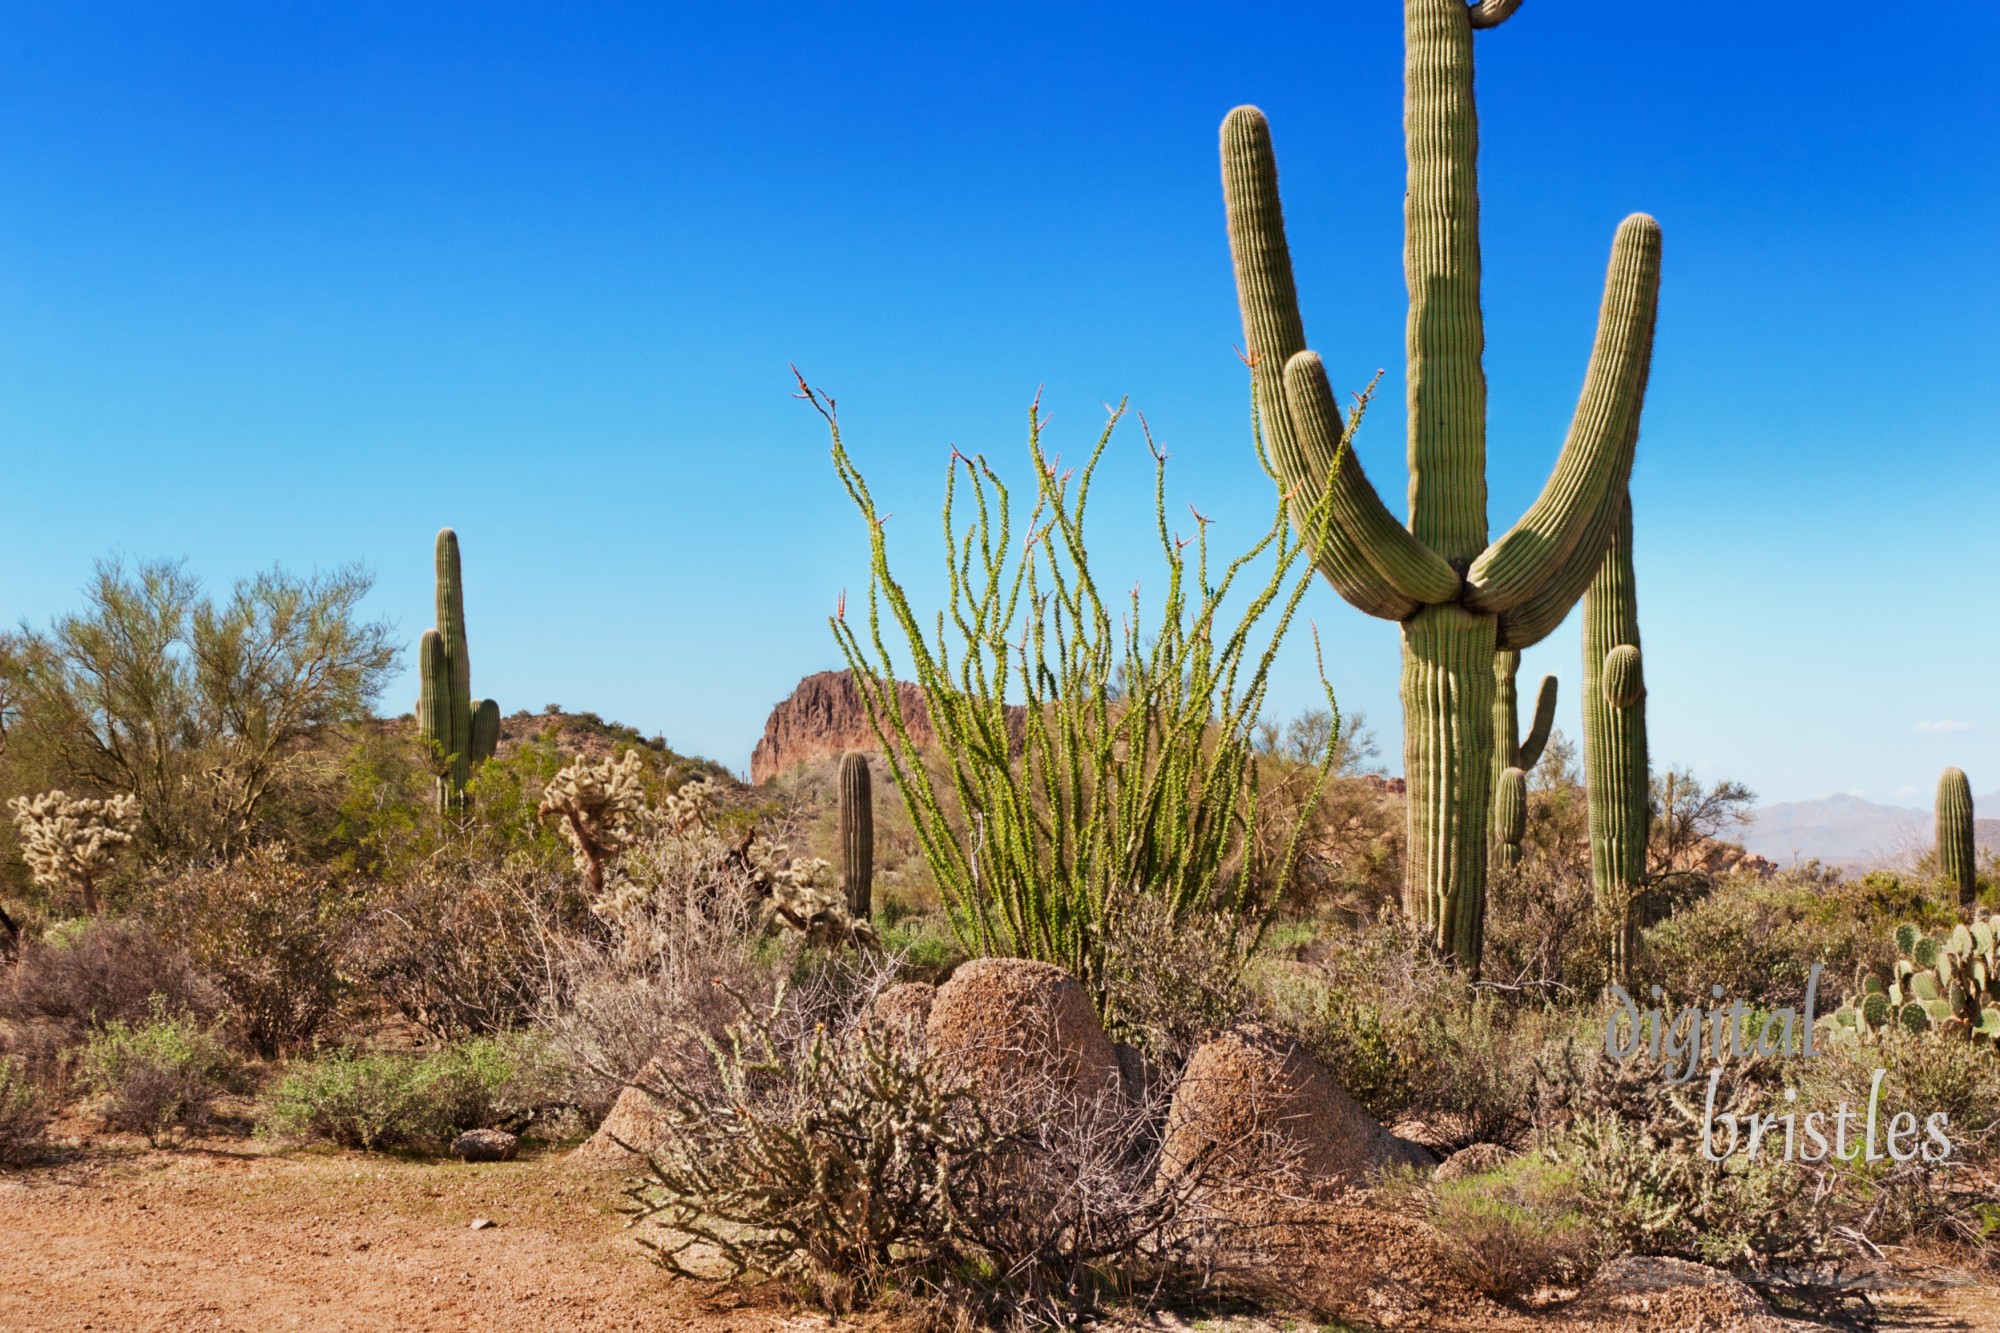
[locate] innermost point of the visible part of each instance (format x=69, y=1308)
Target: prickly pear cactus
x=1948, y=984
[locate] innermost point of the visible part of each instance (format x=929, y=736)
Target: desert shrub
x=1406, y=1033
x=922, y=944
x=458, y=947
x=837, y=1159
x=394, y=1101
x=102, y=972
x=1171, y=985
x=23, y=1115
x=680, y=926
x=1633, y=1139
x=159, y=1078
x=1923, y=1073
x=1544, y=935
x=274, y=935
x=210, y=711
x=1508, y=1231
x=1758, y=939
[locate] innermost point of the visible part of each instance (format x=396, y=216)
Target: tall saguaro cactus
x=1512, y=756
x=1614, y=743
x=1459, y=598
x=1954, y=834
x=857, y=835
x=458, y=732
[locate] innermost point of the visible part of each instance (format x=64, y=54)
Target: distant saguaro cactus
x=1954, y=834
x=857, y=835
x=458, y=732
x=1614, y=743
x=1513, y=757
x=1458, y=596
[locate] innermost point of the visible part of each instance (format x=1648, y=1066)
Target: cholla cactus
x=604, y=813
x=69, y=842
x=601, y=805
x=801, y=893
x=1941, y=983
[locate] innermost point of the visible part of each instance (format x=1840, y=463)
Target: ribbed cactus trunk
x=1955, y=848
x=1614, y=745
x=458, y=732
x=1514, y=757
x=1459, y=599
x=857, y=835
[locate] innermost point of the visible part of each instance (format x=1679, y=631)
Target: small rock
x=481, y=1223
x=485, y=1145
x=1472, y=1161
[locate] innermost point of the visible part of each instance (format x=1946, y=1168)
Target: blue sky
x=304, y=282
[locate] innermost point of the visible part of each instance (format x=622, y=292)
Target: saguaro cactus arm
x=1403, y=562
x=1538, y=733
x=434, y=700
x=1275, y=334
x=1596, y=459
x=1614, y=742
x=485, y=730
x=1492, y=13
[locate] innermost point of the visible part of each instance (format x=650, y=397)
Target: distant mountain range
x=1852, y=832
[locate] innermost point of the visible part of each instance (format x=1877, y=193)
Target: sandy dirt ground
x=231, y=1237
x=261, y=1243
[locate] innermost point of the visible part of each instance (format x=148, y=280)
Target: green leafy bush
x=386, y=1101
x=159, y=1078
x=1523, y=1225
x=1758, y=939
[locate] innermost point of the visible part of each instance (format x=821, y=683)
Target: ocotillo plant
x=458, y=732
x=1512, y=756
x=1954, y=834
x=1458, y=598
x=1614, y=743
x=857, y=835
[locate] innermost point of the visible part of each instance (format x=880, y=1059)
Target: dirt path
x=265, y=1243
x=249, y=1241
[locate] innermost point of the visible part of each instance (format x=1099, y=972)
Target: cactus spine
x=1614, y=744
x=458, y=732
x=857, y=835
x=1954, y=834
x=1459, y=599
x=1514, y=757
